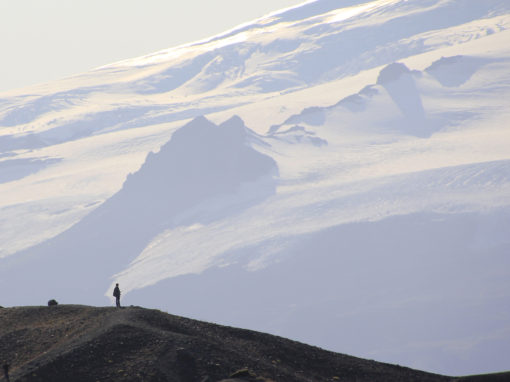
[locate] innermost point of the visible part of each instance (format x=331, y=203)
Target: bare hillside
x=82, y=343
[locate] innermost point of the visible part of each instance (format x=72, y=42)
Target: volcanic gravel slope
x=82, y=343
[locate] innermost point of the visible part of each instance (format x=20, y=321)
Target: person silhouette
x=116, y=294
x=6, y=371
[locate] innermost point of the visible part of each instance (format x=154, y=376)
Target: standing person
x=116, y=294
x=6, y=372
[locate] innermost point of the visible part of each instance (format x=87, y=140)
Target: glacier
x=337, y=173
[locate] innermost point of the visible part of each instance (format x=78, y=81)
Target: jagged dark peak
x=234, y=130
x=392, y=72
x=233, y=122
x=197, y=123
x=201, y=119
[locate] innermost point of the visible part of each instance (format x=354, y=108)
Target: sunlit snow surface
x=359, y=201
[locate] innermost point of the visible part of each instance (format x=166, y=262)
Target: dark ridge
x=81, y=343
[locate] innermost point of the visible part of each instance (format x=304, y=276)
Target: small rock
x=52, y=302
x=242, y=373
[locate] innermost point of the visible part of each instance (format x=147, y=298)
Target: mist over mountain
x=337, y=173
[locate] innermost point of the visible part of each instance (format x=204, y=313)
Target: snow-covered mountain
x=337, y=173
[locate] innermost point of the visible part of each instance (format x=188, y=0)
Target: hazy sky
x=43, y=40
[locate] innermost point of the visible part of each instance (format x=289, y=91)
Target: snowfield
x=337, y=173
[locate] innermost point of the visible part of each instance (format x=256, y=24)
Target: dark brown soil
x=81, y=343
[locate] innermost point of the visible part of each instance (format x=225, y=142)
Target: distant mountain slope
x=202, y=172
x=306, y=46
x=80, y=343
x=359, y=200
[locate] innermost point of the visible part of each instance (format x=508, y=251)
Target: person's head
x=117, y=284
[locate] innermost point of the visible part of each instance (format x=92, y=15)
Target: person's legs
x=117, y=301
